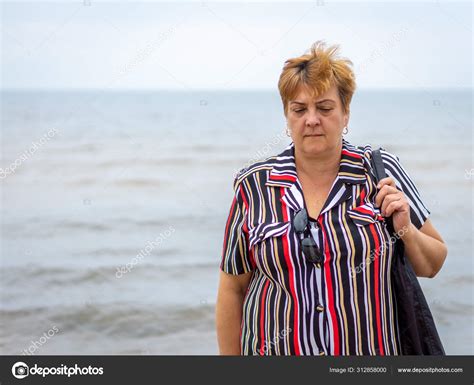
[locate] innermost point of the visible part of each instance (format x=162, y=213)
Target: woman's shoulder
x=263, y=166
x=391, y=161
x=388, y=157
x=254, y=167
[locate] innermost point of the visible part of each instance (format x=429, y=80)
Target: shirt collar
x=351, y=167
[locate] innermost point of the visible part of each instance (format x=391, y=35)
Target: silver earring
x=287, y=131
x=345, y=130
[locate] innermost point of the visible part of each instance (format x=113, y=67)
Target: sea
x=113, y=207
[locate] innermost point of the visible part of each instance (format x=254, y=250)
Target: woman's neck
x=318, y=167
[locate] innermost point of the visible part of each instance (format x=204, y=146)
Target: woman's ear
x=346, y=118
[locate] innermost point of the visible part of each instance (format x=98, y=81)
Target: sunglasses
x=310, y=249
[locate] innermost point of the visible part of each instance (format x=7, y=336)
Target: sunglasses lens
x=309, y=246
x=311, y=250
x=300, y=221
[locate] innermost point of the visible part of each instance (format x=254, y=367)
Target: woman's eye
x=321, y=109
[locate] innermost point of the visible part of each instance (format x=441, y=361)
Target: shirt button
x=318, y=265
x=322, y=353
x=320, y=308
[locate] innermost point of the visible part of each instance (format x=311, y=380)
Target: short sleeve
x=236, y=258
x=419, y=213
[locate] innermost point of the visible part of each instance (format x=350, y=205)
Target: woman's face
x=316, y=124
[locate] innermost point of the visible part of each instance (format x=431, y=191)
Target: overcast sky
x=208, y=45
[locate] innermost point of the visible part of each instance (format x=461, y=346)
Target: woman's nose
x=313, y=118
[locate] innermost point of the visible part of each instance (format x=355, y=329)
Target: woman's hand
x=392, y=201
x=424, y=248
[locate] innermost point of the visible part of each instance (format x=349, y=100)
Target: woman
x=306, y=256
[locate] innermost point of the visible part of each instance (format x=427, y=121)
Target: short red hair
x=318, y=70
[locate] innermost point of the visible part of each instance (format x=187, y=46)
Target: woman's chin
x=314, y=144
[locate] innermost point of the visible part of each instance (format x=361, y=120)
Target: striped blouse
x=344, y=305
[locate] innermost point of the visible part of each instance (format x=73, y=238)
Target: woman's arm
x=230, y=299
x=425, y=249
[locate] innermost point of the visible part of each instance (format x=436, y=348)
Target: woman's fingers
x=386, y=181
x=383, y=192
x=394, y=206
x=387, y=202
